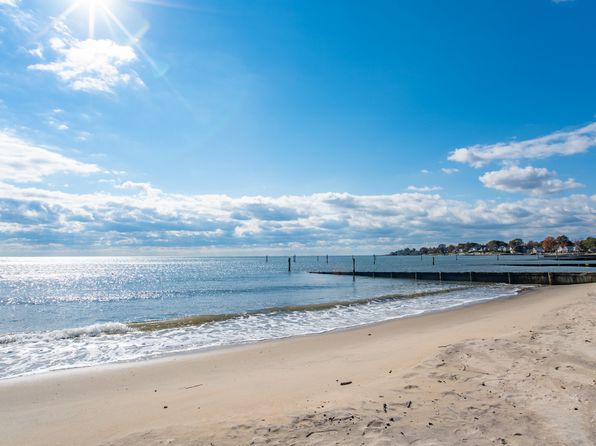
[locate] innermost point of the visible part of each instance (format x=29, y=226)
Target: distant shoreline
x=548, y=256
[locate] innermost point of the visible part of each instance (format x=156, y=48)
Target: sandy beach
x=512, y=371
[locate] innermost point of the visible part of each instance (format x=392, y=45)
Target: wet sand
x=512, y=371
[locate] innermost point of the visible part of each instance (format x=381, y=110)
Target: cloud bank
x=142, y=217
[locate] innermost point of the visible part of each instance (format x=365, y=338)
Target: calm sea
x=64, y=312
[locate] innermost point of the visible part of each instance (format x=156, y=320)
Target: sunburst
x=107, y=9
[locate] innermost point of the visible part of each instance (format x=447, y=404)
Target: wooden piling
x=289, y=265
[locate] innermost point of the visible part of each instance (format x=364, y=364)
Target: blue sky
x=215, y=127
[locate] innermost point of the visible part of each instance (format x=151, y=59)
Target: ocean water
x=65, y=312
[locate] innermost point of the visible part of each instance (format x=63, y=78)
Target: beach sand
x=513, y=371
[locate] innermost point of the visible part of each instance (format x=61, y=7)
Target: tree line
x=517, y=245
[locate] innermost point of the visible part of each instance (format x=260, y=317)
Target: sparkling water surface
x=61, y=312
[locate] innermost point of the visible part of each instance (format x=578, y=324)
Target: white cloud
x=21, y=161
x=91, y=65
x=449, y=170
x=83, y=136
x=55, y=119
x=146, y=188
x=558, y=143
x=531, y=180
x=425, y=171
x=37, y=52
x=21, y=18
x=424, y=188
x=58, y=125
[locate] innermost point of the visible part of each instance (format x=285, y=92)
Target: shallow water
x=67, y=312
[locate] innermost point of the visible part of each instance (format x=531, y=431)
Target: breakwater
x=521, y=278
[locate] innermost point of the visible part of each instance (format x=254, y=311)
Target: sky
x=278, y=127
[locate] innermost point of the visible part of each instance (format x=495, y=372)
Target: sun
x=91, y=7
x=107, y=11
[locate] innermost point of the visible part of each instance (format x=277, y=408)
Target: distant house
x=517, y=249
x=538, y=250
x=565, y=249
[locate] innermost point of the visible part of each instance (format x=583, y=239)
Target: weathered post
x=294, y=258
x=327, y=258
x=353, y=267
x=266, y=259
x=374, y=259
x=433, y=260
x=289, y=265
